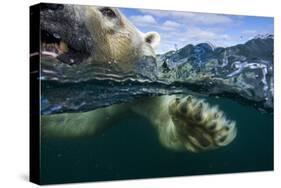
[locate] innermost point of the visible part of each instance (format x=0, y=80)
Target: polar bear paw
x=199, y=126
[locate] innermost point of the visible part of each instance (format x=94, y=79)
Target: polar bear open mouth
x=64, y=35
x=54, y=46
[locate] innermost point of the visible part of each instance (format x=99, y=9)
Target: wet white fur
x=117, y=38
x=157, y=110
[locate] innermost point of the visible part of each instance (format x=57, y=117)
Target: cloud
x=197, y=34
x=192, y=35
x=170, y=25
x=191, y=17
x=150, y=21
x=249, y=32
x=210, y=19
x=143, y=20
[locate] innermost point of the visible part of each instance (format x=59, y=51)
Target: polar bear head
x=74, y=33
x=119, y=40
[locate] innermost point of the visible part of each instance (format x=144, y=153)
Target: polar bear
x=181, y=122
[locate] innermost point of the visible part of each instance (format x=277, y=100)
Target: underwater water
x=131, y=150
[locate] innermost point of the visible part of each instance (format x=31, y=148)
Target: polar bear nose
x=48, y=6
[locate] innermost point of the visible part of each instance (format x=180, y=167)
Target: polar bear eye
x=108, y=12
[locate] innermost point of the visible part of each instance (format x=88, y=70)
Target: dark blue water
x=131, y=149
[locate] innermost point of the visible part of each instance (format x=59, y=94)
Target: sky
x=178, y=29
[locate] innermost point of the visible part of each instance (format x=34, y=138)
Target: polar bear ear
x=152, y=38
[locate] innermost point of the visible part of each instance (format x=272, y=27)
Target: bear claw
x=199, y=126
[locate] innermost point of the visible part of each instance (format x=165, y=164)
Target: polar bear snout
x=52, y=7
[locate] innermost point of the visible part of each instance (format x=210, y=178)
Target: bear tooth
x=63, y=47
x=49, y=53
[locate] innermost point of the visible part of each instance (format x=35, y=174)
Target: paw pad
x=200, y=126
